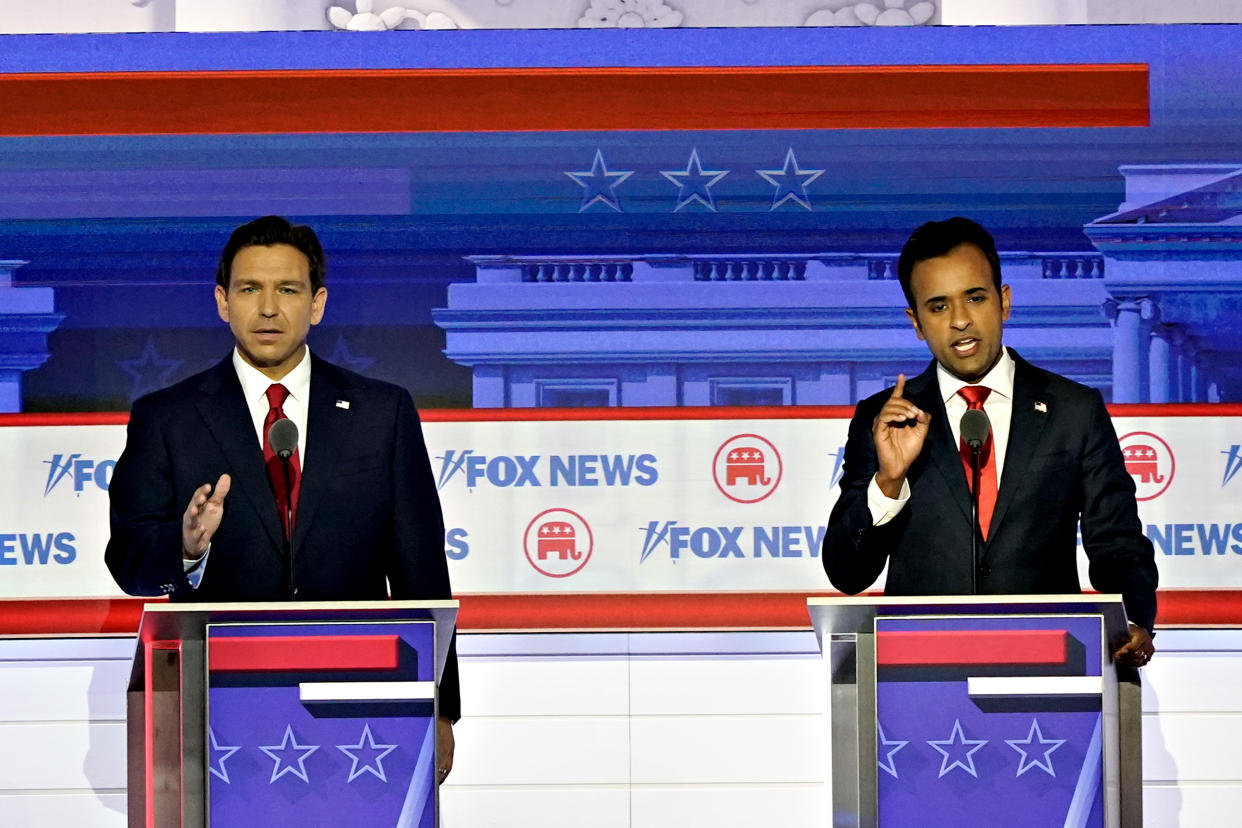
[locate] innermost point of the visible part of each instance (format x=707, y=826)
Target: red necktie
x=276, y=396
x=974, y=396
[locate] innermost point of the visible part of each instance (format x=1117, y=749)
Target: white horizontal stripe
x=340, y=691
x=1034, y=686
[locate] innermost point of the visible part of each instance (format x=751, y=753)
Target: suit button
x=985, y=570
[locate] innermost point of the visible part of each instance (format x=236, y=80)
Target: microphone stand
x=284, y=464
x=974, y=516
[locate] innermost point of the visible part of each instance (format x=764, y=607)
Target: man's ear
x=222, y=303
x=914, y=320
x=1004, y=296
x=318, y=302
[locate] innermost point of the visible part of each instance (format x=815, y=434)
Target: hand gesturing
x=202, y=517
x=899, y=431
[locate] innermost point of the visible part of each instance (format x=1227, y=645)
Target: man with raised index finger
x=1050, y=466
x=203, y=509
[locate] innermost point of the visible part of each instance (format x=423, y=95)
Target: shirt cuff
x=884, y=508
x=194, y=569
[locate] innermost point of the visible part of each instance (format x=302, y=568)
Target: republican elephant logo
x=1149, y=461
x=558, y=542
x=747, y=468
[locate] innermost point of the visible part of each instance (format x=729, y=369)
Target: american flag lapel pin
x=1041, y=407
x=343, y=404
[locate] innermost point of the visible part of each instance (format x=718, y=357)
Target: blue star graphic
x=1045, y=747
x=288, y=752
x=219, y=753
x=599, y=183
x=889, y=748
x=342, y=356
x=149, y=371
x=695, y=183
x=375, y=752
x=956, y=739
x=790, y=182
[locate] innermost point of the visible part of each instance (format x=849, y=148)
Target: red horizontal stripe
x=927, y=648
x=276, y=654
x=505, y=99
x=583, y=611
x=508, y=415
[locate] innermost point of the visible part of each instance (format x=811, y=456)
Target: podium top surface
x=188, y=622
x=857, y=613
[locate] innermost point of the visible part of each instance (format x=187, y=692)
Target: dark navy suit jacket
x=1063, y=467
x=368, y=514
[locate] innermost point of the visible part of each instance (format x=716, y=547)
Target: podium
x=286, y=714
x=980, y=711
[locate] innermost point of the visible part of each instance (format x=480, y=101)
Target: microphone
x=283, y=437
x=974, y=427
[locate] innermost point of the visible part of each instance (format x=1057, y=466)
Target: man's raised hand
x=202, y=518
x=899, y=431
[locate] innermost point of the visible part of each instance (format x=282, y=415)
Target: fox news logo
x=731, y=541
x=1233, y=462
x=558, y=542
x=518, y=470
x=80, y=470
x=1149, y=460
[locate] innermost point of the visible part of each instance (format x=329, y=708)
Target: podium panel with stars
x=321, y=723
x=979, y=711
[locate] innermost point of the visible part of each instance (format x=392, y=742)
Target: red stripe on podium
x=277, y=654
x=553, y=98
x=941, y=648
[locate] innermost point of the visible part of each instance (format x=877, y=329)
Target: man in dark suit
x=905, y=499
x=200, y=501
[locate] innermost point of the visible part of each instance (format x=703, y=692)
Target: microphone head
x=974, y=427
x=283, y=438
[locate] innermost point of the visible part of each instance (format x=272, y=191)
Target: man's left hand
x=444, y=749
x=1137, y=650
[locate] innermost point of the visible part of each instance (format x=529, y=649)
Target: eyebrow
x=968, y=292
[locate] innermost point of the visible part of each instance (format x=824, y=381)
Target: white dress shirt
x=254, y=385
x=999, y=408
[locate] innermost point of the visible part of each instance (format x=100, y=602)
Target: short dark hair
x=265, y=232
x=937, y=238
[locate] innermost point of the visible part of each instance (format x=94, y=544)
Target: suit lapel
x=942, y=456
x=1026, y=429
x=223, y=408
x=327, y=425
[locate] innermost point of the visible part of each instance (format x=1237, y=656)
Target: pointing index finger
x=899, y=391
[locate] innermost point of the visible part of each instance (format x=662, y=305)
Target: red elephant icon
x=745, y=463
x=1141, y=462
x=556, y=537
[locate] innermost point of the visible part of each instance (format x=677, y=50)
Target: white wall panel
x=53, y=810
x=1192, y=806
x=729, y=749
x=787, y=806
x=1193, y=682
x=542, y=750
x=47, y=691
x=1192, y=747
x=62, y=755
x=728, y=685
x=545, y=686
x=548, y=806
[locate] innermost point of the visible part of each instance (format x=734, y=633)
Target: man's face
x=958, y=312
x=270, y=307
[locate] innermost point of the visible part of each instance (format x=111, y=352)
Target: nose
x=961, y=317
x=267, y=303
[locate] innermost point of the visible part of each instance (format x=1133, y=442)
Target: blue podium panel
x=321, y=724
x=990, y=720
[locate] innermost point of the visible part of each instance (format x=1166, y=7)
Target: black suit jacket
x=368, y=514
x=1063, y=468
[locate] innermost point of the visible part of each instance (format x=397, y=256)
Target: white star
x=893, y=746
x=957, y=739
x=367, y=742
x=279, y=752
x=599, y=184
x=1046, y=747
x=224, y=752
x=790, y=182
x=695, y=183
